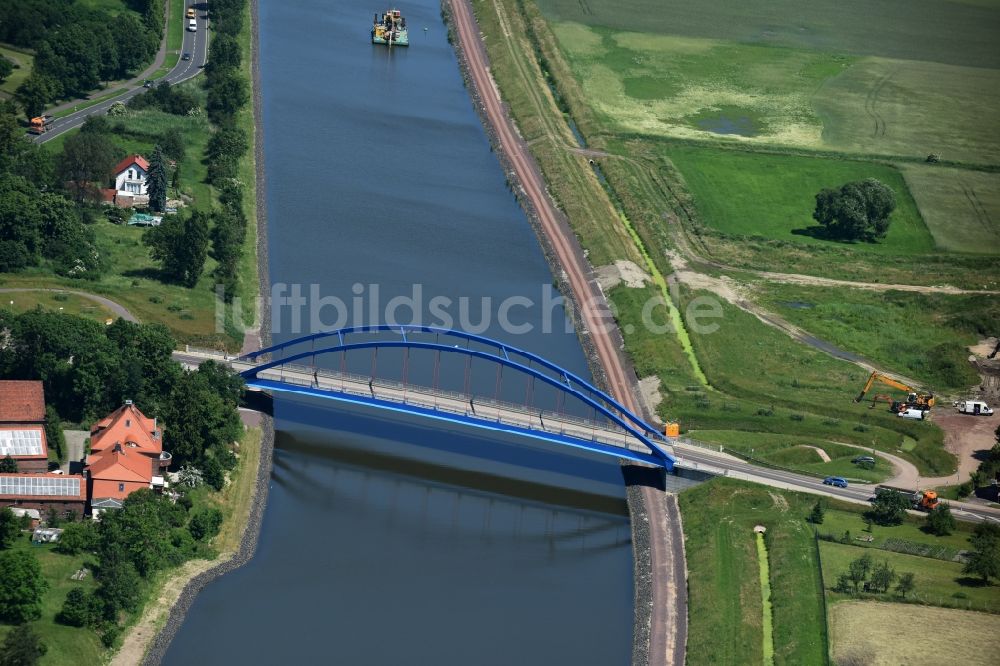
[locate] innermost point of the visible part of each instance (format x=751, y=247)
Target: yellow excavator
x=914, y=399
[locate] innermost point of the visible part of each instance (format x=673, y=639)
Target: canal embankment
x=660, y=593
x=249, y=506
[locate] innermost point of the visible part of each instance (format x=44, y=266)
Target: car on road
x=192, y=25
x=835, y=481
x=863, y=460
x=148, y=83
x=186, y=56
x=190, y=12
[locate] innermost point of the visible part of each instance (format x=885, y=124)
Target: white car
x=192, y=25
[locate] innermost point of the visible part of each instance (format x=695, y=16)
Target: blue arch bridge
x=458, y=378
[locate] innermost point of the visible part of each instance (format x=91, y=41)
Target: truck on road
x=924, y=500
x=40, y=124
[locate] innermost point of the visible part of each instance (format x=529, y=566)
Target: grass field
x=907, y=537
x=796, y=452
x=724, y=592
x=882, y=634
x=773, y=196
x=908, y=29
x=67, y=303
x=938, y=582
x=961, y=207
x=924, y=336
x=23, y=64
x=67, y=646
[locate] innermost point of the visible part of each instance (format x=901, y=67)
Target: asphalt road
x=195, y=43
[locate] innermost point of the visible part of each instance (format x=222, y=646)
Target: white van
x=192, y=25
x=975, y=407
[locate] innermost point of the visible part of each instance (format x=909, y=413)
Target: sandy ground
x=968, y=437
x=820, y=452
x=612, y=275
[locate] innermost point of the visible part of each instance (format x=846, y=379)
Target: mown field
x=67, y=646
x=23, y=63
x=938, y=582
x=961, y=207
x=57, y=302
x=871, y=632
x=798, y=453
x=773, y=196
x=923, y=336
x=724, y=596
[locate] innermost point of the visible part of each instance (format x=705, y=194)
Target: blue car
x=835, y=481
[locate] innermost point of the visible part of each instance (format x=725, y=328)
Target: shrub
x=205, y=524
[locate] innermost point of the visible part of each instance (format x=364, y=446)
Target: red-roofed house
x=126, y=454
x=61, y=492
x=22, y=425
x=131, y=181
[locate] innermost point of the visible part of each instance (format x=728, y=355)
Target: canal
x=388, y=540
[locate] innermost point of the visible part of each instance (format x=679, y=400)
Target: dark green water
x=389, y=540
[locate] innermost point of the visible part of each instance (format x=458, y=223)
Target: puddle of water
x=797, y=305
x=739, y=125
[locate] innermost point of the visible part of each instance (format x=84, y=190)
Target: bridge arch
x=408, y=337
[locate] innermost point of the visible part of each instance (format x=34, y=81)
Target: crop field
x=938, y=582
x=961, y=208
x=849, y=26
x=921, y=335
x=724, y=595
x=881, y=634
x=798, y=452
x=685, y=87
x=773, y=196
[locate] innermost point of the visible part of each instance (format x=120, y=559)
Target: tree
x=940, y=521
x=181, y=246
x=22, y=647
x=21, y=586
x=77, y=538
x=8, y=465
x=889, y=507
x=906, y=584
x=53, y=431
x=858, y=571
x=984, y=558
x=77, y=610
x=157, y=181
x=87, y=161
x=173, y=144
x=224, y=53
x=6, y=68
x=883, y=576
x=138, y=533
x=120, y=588
x=10, y=527
x=856, y=211
x=228, y=94
x=816, y=516
x=35, y=92
x=205, y=524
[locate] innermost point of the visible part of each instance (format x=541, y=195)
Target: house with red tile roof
x=60, y=492
x=131, y=182
x=126, y=454
x=22, y=425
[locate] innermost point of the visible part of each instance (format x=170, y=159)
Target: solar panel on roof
x=21, y=442
x=40, y=485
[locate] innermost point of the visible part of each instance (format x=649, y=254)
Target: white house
x=131, y=181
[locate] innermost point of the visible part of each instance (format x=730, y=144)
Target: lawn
x=23, y=63
x=797, y=452
x=58, y=302
x=724, y=593
x=938, y=582
x=175, y=25
x=907, y=537
x=67, y=646
x=773, y=196
x=870, y=632
x=924, y=336
x=961, y=208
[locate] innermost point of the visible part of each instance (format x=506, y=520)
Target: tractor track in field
x=871, y=100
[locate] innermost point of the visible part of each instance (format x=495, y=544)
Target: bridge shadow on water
x=461, y=458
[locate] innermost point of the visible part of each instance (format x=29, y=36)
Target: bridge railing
x=359, y=385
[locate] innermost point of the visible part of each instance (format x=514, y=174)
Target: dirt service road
x=669, y=603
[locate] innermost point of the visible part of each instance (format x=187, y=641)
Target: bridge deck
x=470, y=407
